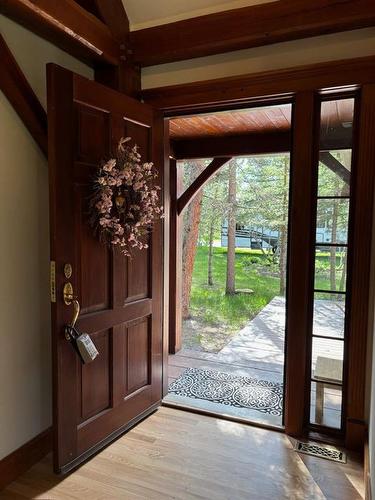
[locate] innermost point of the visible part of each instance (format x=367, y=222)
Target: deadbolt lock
x=68, y=271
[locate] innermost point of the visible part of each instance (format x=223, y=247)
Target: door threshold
x=222, y=416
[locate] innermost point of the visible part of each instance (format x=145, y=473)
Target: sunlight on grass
x=212, y=306
x=210, y=303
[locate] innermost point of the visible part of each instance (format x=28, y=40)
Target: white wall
x=351, y=44
x=25, y=360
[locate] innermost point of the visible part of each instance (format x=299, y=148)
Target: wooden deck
x=257, y=351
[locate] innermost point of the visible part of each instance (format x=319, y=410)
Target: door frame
x=303, y=85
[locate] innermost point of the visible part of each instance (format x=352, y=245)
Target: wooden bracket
x=199, y=182
x=22, y=97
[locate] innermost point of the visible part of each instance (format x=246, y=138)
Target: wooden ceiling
x=335, y=115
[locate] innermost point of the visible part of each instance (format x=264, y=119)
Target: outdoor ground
x=216, y=317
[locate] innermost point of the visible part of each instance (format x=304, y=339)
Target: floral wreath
x=126, y=200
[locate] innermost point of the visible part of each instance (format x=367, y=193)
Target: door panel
x=120, y=298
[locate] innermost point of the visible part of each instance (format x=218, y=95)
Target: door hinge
x=53, y=280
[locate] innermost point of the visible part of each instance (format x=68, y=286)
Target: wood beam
x=247, y=88
x=114, y=15
x=175, y=261
x=18, y=91
x=249, y=27
x=254, y=144
x=333, y=164
x=199, y=182
x=236, y=145
x=126, y=77
x=66, y=24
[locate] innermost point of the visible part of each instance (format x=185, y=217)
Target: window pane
x=330, y=268
x=325, y=406
x=329, y=315
x=336, y=129
x=327, y=360
x=332, y=221
x=334, y=173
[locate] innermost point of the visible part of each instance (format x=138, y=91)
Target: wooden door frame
x=301, y=84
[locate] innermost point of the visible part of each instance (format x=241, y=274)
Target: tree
x=214, y=206
x=333, y=215
x=190, y=235
x=283, y=230
x=230, y=287
x=263, y=201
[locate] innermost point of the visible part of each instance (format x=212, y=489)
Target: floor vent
x=321, y=451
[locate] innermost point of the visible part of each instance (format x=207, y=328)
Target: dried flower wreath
x=126, y=200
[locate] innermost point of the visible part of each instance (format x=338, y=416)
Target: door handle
x=69, y=298
x=76, y=311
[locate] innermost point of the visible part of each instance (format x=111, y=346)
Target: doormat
x=321, y=451
x=231, y=390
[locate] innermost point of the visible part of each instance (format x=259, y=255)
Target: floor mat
x=231, y=390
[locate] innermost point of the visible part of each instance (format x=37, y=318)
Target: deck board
x=257, y=351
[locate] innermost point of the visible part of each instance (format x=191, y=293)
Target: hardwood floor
x=181, y=455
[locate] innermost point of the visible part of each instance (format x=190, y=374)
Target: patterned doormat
x=231, y=390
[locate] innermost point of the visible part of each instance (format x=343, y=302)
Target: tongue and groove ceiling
x=336, y=119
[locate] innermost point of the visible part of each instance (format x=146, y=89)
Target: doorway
x=233, y=246
x=262, y=287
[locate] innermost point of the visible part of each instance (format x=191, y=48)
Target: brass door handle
x=70, y=299
x=76, y=310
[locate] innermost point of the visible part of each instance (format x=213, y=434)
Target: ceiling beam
x=257, y=143
x=126, y=77
x=18, y=91
x=248, y=27
x=69, y=26
x=199, y=182
x=202, y=95
x=114, y=15
x=236, y=145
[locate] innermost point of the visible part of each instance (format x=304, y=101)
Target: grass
x=210, y=305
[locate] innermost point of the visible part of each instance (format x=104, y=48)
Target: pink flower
x=109, y=165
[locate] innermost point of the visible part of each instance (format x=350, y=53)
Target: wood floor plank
x=179, y=455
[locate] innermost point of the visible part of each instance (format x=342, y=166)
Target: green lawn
x=210, y=305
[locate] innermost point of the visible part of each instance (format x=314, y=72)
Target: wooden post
x=359, y=266
x=175, y=263
x=301, y=248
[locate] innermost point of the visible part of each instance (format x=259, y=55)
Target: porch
x=256, y=353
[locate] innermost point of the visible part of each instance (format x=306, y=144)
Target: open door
x=120, y=298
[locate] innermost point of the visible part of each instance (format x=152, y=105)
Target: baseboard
x=25, y=457
x=367, y=475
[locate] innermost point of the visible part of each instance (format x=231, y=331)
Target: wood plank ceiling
x=337, y=115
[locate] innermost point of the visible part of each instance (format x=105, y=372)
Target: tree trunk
x=230, y=288
x=332, y=258
x=283, y=231
x=343, y=272
x=211, y=233
x=189, y=248
x=210, y=280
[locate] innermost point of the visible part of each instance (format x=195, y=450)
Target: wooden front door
x=120, y=298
